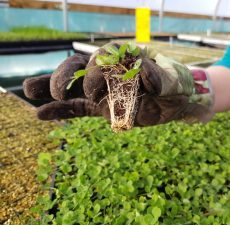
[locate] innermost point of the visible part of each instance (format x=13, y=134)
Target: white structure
x=213, y=8
x=65, y=15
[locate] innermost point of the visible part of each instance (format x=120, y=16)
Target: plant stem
x=123, y=67
x=90, y=68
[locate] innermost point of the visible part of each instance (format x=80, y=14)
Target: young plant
x=172, y=174
x=77, y=74
x=120, y=67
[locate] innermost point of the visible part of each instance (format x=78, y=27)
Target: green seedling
x=120, y=67
x=171, y=174
x=78, y=74
x=114, y=56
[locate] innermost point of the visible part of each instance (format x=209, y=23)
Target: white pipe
x=65, y=15
x=161, y=15
x=84, y=47
x=3, y=90
x=214, y=18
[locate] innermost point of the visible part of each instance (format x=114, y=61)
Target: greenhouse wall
x=100, y=22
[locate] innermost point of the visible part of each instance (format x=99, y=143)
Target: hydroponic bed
x=38, y=33
x=186, y=54
x=193, y=55
x=168, y=174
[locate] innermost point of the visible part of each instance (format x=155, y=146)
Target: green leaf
x=100, y=60
x=149, y=179
x=130, y=74
x=120, y=220
x=136, y=52
x=112, y=60
x=148, y=219
x=70, y=84
x=182, y=188
x=137, y=64
x=77, y=74
x=94, y=171
x=46, y=219
x=196, y=219
x=122, y=50
x=175, y=152
x=198, y=192
x=106, y=60
x=44, y=158
x=112, y=50
x=80, y=73
x=156, y=212
x=97, y=208
x=129, y=186
x=68, y=218
x=36, y=209
x=42, y=174
x=133, y=49
x=65, y=168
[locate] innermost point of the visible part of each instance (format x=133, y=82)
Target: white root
x=122, y=97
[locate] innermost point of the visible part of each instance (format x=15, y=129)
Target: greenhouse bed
x=168, y=174
x=22, y=137
x=37, y=46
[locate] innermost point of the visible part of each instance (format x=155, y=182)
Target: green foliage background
x=38, y=33
x=168, y=174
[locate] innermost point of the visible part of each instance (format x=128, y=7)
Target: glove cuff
x=203, y=92
x=200, y=107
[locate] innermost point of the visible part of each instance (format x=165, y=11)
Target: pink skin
x=220, y=80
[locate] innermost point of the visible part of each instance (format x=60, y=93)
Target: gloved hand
x=168, y=91
x=70, y=103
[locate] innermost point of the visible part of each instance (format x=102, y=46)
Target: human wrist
x=220, y=80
